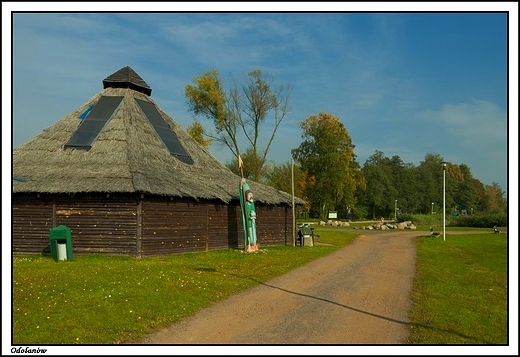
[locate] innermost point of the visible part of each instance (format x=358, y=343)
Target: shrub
x=481, y=220
x=421, y=219
x=359, y=212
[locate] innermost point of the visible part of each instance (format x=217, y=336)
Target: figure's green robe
x=248, y=215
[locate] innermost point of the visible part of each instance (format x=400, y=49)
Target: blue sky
x=406, y=84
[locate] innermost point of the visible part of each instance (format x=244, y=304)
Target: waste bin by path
x=306, y=235
x=61, y=244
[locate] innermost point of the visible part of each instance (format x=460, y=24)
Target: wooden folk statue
x=247, y=206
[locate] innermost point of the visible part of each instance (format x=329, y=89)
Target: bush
x=421, y=219
x=481, y=220
x=359, y=212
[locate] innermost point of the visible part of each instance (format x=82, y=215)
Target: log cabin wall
x=173, y=226
x=274, y=225
x=184, y=225
x=31, y=220
x=126, y=224
x=100, y=224
x=224, y=226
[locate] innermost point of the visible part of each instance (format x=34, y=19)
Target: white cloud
x=473, y=123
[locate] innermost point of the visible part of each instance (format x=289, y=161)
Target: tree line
x=324, y=166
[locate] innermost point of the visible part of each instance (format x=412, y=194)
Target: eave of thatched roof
x=127, y=157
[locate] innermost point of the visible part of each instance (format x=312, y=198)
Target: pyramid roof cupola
x=126, y=77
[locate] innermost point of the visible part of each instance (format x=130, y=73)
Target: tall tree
x=409, y=191
x=482, y=203
x=325, y=156
x=430, y=185
x=496, y=199
x=243, y=110
x=354, y=182
x=380, y=192
x=416, y=188
x=489, y=197
x=280, y=176
x=466, y=196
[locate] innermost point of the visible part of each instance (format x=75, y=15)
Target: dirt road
x=357, y=295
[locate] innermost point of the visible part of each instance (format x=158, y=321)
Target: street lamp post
x=432, y=207
x=293, y=207
x=444, y=200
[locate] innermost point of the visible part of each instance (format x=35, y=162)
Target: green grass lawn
x=460, y=291
x=110, y=300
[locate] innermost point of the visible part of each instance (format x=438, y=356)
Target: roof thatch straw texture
x=127, y=157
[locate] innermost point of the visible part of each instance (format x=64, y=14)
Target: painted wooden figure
x=247, y=203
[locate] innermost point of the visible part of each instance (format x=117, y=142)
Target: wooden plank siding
x=173, y=226
x=181, y=226
x=224, y=226
x=135, y=225
x=274, y=225
x=100, y=224
x=31, y=221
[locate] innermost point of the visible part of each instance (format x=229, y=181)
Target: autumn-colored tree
x=466, y=195
x=495, y=197
x=326, y=156
x=489, y=198
x=281, y=177
x=196, y=131
x=240, y=112
x=482, y=203
x=304, y=185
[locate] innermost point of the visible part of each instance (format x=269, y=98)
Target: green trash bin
x=61, y=244
x=306, y=235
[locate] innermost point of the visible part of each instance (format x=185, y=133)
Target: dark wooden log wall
x=106, y=225
x=98, y=224
x=274, y=225
x=130, y=225
x=181, y=226
x=32, y=219
x=173, y=226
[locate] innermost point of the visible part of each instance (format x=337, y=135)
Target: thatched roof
x=127, y=156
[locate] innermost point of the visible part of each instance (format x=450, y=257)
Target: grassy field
x=111, y=300
x=460, y=292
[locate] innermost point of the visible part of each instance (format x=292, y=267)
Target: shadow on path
x=409, y=324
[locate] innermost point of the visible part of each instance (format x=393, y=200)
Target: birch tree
x=240, y=113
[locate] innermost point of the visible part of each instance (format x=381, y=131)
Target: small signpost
x=332, y=214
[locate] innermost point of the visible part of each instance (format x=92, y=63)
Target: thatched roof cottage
x=127, y=179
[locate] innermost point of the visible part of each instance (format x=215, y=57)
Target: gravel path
x=357, y=295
